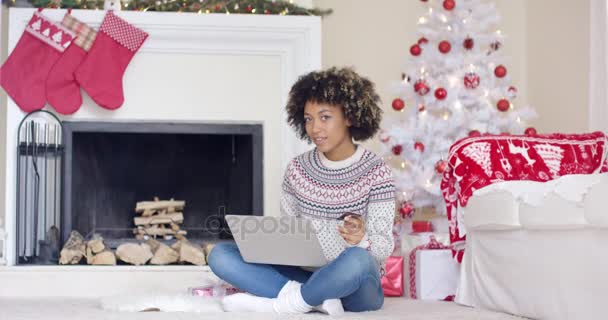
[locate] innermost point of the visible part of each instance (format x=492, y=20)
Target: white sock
x=247, y=302
x=332, y=307
x=290, y=299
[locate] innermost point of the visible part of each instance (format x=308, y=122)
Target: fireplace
x=216, y=168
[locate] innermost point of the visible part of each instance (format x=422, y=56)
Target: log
x=158, y=205
x=163, y=254
x=89, y=255
x=207, y=248
x=73, y=250
x=191, y=253
x=105, y=258
x=176, y=217
x=134, y=253
x=158, y=231
x=96, y=244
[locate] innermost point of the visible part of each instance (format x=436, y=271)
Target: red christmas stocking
x=24, y=73
x=62, y=90
x=101, y=72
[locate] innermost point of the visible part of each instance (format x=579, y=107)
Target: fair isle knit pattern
x=321, y=190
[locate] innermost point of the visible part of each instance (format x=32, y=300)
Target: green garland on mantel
x=276, y=7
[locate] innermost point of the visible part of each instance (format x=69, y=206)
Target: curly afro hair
x=338, y=87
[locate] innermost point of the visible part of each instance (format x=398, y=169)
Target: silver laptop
x=281, y=240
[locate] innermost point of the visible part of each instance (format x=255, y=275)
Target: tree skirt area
x=69, y=308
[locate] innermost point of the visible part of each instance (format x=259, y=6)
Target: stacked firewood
x=159, y=219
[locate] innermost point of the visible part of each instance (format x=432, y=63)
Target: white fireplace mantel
x=198, y=68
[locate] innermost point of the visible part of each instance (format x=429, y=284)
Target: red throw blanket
x=476, y=162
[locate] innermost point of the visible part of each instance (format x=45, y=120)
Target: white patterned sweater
x=321, y=190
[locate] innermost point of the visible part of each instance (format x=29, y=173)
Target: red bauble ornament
x=440, y=166
x=474, y=133
x=397, y=149
x=468, y=43
x=530, y=131
x=503, y=105
x=449, y=4
x=422, y=40
x=218, y=7
x=421, y=87
x=415, y=50
x=249, y=9
x=444, y=46
x=406, y=210
x=500, y=71
x=512, y=92
x=471, y=80
x=419, y=146
x=441, y=93
x=398, y=104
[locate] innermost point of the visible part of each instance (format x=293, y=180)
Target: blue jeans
x=352, y=277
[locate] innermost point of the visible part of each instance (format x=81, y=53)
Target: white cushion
x=572, y=201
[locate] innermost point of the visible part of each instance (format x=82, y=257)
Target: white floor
x=67, y=308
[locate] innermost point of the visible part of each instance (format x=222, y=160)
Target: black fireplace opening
x=109, y=167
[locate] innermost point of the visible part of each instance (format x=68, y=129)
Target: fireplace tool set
x=38, y=204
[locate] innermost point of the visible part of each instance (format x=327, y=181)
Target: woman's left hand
x=353, y=230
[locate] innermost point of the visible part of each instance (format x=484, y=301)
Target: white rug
x=69, y=308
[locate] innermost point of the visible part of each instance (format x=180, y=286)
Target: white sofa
x=538, y=250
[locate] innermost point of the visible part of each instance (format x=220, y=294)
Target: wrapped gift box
x=392, y=281
x=436, y=274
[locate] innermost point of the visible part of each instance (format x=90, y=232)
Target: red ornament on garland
x=503, y=105
x=474, y=133
x=419, y=146
x=406, y=210
x=249, y=9
x=398, y=104
x=397, y=149
x=384, y=137
x=415, y=50
x=444, y=46
x=468, y=43
x=441, y=93
x=421, y=87
x=471, y=80
x=422, y=40
x=449, y=5
x=530, y=131
x=440, y=166
x=500, y=71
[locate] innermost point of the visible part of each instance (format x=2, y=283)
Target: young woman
x=329, y=108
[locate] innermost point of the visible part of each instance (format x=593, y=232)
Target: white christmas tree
x=456, y=85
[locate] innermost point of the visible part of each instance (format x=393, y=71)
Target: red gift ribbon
x=432, y=245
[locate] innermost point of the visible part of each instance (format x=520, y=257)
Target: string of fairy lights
x=270, y=7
